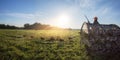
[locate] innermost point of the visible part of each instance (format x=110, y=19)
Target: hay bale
x=42, y=38
x=31, y=36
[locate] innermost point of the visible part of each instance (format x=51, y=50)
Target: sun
x=62, y=20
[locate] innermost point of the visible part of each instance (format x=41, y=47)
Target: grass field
x=41, y=45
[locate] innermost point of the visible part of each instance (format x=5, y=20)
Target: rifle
x=87, y=18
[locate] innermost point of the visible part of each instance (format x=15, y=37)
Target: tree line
x=36, y=26
x=3, y=26
x=39, y=26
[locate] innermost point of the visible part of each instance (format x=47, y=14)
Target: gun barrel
x=87, y=19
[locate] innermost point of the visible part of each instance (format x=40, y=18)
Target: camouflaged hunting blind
x=100, y=39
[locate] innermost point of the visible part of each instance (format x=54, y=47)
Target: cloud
x=94, y=7
x=32, y=16
x=86, y=3
x=19, y=15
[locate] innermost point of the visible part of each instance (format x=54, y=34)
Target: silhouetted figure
x=95, y=20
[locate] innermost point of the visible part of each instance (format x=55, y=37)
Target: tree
x=27, y=26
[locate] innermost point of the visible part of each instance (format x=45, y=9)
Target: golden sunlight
x=62, y=20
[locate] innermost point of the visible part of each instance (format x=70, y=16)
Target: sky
x=61, y=13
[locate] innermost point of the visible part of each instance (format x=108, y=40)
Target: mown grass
x=41, y=45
